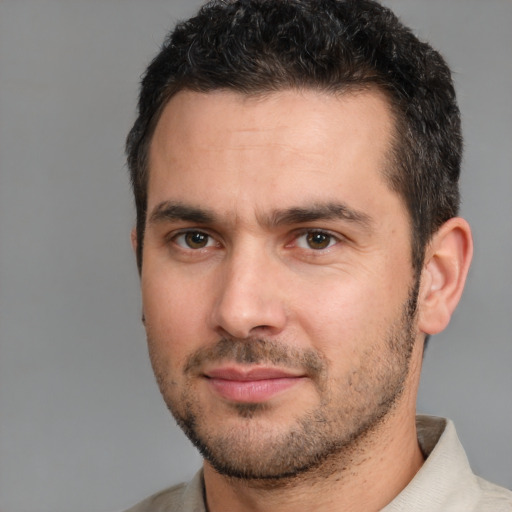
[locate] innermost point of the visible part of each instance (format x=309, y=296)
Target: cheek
x=175, y=317
x=343, y=319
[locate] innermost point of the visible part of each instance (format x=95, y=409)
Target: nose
x=250, y=300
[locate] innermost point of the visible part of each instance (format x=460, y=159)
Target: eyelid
x=298, y=233
x=305, y=231
x=173, y=235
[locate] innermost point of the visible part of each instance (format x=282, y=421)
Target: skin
x=274, y=244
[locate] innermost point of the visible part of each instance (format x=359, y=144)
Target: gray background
x=82, y=425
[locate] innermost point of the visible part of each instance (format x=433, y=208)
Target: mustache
x=257, y=351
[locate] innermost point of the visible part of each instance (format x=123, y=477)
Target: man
x=295, y=166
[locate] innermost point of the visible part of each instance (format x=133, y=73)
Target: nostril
x=248, y=300
x=245, y=323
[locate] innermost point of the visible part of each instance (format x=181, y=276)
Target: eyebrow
x=176, y=211
x=172, y=211
x=320, y=211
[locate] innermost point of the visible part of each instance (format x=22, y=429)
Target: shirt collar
x=445, y=482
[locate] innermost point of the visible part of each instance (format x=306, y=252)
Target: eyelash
x=332, y=239
x=328, y=237
x=191, y=232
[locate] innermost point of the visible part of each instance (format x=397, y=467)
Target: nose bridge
x=249, y=297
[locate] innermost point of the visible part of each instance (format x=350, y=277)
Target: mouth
x=251, y=385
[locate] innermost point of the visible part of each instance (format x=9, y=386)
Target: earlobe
x=447, y=260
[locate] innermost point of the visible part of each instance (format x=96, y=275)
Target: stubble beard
x=322, y=440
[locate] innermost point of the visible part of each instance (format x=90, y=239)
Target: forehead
x=284, y=146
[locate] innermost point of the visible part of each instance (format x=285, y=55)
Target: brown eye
x=318, y=240
x=193, y=240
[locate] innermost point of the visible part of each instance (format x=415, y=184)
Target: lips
x=251, y=385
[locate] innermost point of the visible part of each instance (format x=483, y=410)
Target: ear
x=136, y=250
x=445, y=268
x=133, y=236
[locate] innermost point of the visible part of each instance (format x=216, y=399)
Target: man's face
x=276, y=279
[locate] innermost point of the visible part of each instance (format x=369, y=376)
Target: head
x=336, y=46
x=295, y=168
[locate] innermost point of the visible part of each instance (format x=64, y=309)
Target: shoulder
x=493, y=497
x=168, y=500
x=186, y=497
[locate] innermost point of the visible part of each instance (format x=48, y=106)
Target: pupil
x=318, y=240
x=196, y=239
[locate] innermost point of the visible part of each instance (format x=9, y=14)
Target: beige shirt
x=445, y=482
